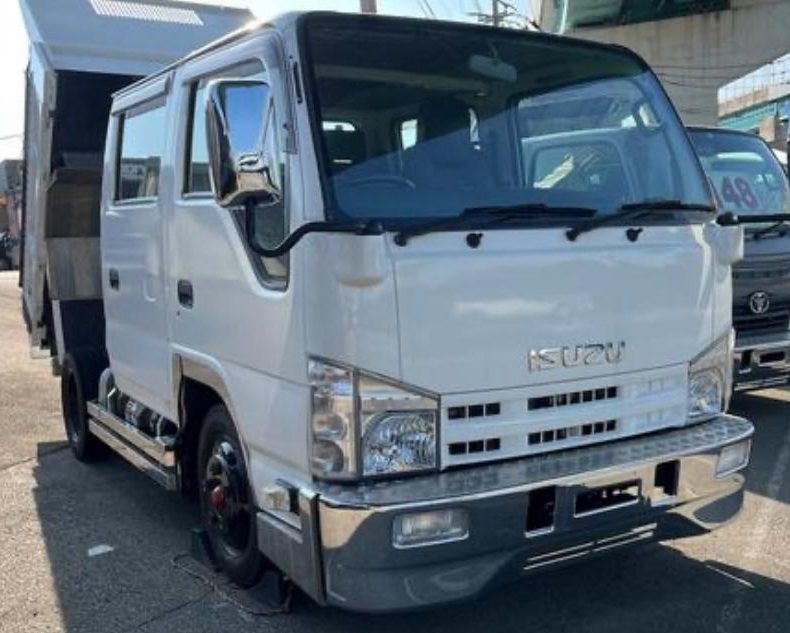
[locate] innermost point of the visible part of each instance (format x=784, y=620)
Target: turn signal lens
x=733, y=458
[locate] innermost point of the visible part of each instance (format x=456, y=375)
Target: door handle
x=186, y=295
x=115, y=279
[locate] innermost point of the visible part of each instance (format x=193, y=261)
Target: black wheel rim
x=71, y=412
x=226, y=498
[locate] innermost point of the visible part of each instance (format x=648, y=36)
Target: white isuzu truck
x=414, y=308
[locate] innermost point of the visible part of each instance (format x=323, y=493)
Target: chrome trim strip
x=643, y=533
x=157, y=450
x=167, y=479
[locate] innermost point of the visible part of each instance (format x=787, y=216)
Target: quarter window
x=142, y=148
x=197, y=176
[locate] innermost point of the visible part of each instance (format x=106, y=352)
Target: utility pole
x=367, y=6
x=503, y=13
x=495, y=12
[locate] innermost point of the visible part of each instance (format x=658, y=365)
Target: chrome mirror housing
x=239, y=120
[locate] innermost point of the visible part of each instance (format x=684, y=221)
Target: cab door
x=133, y=247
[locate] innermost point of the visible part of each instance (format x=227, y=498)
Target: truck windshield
x=417, y=119
x=744, y=172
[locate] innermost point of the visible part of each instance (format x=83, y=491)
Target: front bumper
x=761, y=362
x=344, y=555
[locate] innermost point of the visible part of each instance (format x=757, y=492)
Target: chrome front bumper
x=761, y=362
x=342, y=552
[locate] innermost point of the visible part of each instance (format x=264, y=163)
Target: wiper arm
x=779, y=228
x=487, y=216
x=634, y=210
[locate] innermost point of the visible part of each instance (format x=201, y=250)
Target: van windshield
x=744, y=172
x=419, y=119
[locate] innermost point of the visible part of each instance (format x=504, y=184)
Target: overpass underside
x=709, y=44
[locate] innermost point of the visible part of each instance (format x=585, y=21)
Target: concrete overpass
x=695, y=54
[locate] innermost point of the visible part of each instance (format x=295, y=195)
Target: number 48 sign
x=738, y=192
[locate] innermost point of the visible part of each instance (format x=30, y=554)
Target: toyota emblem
x=759, y=302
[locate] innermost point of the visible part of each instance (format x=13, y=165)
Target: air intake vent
x=558, y=435
x=575, y=397
x=476, y=446
x=147, y=12
x=474, y=411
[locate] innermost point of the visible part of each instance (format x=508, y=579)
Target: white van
x=415, y=308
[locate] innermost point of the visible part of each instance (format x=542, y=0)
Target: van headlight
x=365, y=425
x=710, y=379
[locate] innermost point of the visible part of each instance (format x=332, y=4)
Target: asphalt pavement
x=101, y=549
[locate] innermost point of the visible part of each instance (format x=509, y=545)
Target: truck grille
x=540, y=419
x=771, y=323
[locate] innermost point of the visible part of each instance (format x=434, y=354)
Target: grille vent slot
x=575, y=397
x=474, y=411
x=558, y=435
x=475, y=446
x=763, y=324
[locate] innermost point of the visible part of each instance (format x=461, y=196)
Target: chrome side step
x=159, y=451
x=152, y=456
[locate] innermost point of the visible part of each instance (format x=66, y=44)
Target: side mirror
x=239, y=121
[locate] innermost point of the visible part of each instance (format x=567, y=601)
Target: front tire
x=79, y=384
x=227, y=506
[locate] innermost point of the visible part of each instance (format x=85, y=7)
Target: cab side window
x=272, y=221
x=142, y=144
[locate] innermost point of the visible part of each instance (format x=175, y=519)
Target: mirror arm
x=730, y=219
x=353, y=228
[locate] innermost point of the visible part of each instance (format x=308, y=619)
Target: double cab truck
x=413, y=308
x=749, y=180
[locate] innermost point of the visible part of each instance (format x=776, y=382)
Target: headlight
x=366, y=425
x=710, y=379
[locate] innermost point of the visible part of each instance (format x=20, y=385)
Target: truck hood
x=470, y=318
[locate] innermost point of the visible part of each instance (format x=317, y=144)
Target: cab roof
x=130, y=37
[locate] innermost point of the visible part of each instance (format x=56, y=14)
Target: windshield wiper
x=634, y=210
x=486, y=216
x=780, y=229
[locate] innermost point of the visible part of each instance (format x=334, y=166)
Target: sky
x=14, y=46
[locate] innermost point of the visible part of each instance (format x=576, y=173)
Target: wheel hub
x=226, y=497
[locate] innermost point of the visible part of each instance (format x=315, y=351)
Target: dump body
x=81, y=52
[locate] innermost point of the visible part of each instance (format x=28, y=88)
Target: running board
x=152, y=456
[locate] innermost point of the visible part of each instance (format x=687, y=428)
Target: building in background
x=10, y=212
x=760, y=102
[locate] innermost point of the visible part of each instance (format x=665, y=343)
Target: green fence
x=570, y=14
